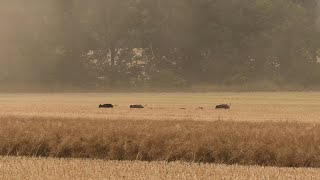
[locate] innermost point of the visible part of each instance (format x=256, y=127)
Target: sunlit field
x=34, y=168
x=266, y=129
x=302, y=107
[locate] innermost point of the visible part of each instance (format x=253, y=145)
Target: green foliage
x=160, y=43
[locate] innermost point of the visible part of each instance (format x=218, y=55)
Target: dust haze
x=147, y=45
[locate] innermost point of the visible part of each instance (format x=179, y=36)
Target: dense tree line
x=159, y=43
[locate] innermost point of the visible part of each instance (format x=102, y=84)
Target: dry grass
x=273, y=129
x=248, y=143
x=36, y=169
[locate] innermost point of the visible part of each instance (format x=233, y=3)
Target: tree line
x=159, y=43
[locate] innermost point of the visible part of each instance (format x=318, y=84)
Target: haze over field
x=57, y=49
x=57, y=45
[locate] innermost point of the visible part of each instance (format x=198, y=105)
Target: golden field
x=54, y=169
x=279, y=144
x=268, y=129
x=303, y=107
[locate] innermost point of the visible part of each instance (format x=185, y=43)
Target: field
x=268, y=129
x=38, y=169
x=253, y=107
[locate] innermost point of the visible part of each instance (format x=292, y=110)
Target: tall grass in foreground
x=247, y=143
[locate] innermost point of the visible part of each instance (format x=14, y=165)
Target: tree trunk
x=112, y=59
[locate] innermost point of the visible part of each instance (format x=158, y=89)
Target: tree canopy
x=159, y=43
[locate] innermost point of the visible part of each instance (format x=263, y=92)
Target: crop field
x=171, y=136
x=253, y=107
x=38, y=169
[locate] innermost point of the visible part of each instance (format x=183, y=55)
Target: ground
x=299, y=113
x=244, y=106
x=34, y=168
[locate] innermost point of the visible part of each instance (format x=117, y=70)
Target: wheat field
x=12, y=168
x=166, y=106
x=266, y=129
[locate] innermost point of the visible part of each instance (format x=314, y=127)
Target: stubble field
x=55, y=169
x=253, y=107
x=269, y=129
